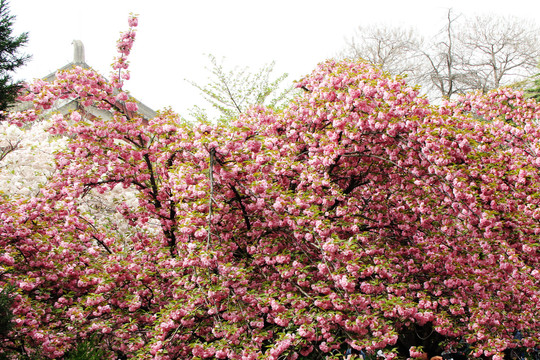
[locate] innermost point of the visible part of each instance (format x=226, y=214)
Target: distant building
x=65, y=107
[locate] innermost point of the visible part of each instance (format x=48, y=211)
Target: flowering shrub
x=360, y=217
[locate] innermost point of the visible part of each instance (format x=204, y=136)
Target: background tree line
x=467, y=54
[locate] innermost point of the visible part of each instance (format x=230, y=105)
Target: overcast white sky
x=174, y=35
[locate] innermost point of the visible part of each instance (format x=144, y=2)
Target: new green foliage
x=231, y=92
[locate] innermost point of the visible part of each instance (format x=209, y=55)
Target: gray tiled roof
x=79, y=60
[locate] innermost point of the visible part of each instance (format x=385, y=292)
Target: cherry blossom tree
x=359, y=218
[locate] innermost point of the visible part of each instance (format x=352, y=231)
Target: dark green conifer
x=10, y=56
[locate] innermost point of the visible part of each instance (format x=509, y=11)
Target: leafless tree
x=441, y=69
x=481, y=53
x=498, y=50
x=392, y=49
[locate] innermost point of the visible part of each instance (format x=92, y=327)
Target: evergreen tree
x=10, y=56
